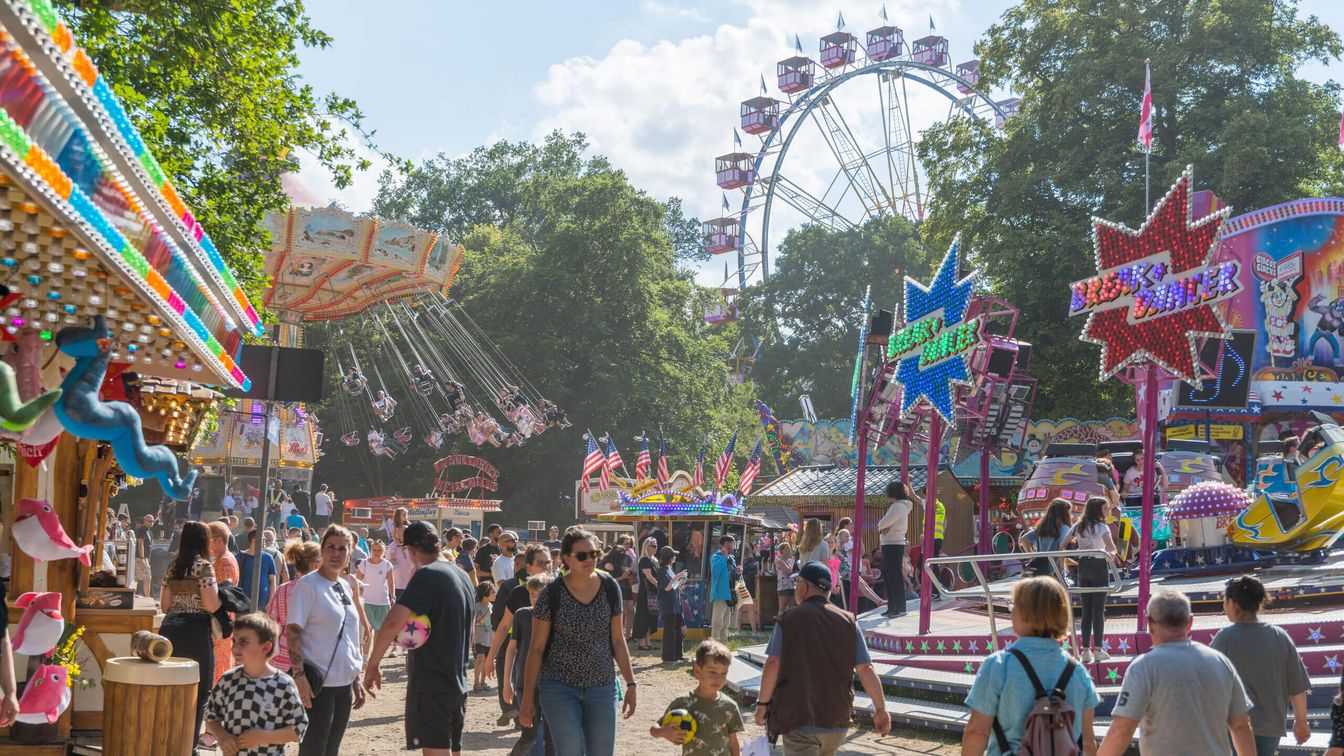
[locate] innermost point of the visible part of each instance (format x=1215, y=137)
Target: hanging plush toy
x=82, y=413
x=15, y=414
x=39, y=533
x=46, y=695
x=42, y=625
x=27, y=365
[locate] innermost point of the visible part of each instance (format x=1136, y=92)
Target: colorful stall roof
x=91, y=223
x=327, y=264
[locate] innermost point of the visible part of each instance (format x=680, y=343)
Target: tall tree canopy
x=809, y=309
x=573, y=272
x=1227, y=99
x=213, y=89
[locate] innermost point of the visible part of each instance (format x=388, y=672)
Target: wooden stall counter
x=107, y=635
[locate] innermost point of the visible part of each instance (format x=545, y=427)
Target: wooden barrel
x=149, y=709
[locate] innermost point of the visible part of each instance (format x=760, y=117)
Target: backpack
x=1048, y=730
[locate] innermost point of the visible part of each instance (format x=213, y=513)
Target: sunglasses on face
x=583, y=556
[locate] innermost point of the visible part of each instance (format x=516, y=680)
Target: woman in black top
x=577, y=639
x=188, y=598
x=646, y=607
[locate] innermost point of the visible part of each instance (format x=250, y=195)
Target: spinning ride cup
x=149, y=708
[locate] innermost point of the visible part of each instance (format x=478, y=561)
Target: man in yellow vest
x=939, y=528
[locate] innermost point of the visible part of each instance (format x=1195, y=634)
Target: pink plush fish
x=45, y=697
x=42, y=624
x=38, y=532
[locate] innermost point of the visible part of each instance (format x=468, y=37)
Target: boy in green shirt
x=717, y=719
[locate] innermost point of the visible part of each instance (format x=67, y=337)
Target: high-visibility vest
x=939, y=519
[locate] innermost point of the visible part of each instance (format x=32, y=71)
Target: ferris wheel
x=828, y=174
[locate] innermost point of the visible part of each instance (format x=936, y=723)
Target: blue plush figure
x=83, y=414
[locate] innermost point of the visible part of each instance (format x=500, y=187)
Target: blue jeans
x=1266, y=745
x=582, y=721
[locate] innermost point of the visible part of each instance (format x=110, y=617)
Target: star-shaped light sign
x=932, y=346
x=1152, y=298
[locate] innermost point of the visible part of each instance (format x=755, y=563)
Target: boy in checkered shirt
x=255, y=708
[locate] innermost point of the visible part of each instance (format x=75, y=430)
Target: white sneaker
x=1101, y=655
x=1085, y=656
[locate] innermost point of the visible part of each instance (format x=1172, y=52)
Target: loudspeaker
x=299, y=374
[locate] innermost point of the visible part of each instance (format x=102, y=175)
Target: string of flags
x=602, y=459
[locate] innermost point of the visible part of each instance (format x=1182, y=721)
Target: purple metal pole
x=983, y=546
x=856, y=556
x=1147, y=410
x=930, y=508
x=905, y=460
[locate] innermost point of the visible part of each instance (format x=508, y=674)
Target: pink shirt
x=279, y=611
x=402, y=566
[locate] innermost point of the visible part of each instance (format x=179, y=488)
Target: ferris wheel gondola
x=857, y=184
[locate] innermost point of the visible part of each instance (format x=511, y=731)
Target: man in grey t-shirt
x=1183, y=696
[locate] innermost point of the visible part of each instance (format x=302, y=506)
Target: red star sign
x=1153, y=296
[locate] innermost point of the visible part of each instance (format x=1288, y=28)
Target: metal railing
x=983, y=588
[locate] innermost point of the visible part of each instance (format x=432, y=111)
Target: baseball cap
x=817, y=574
x=420, y=533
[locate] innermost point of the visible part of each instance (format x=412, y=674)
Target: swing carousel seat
x=403, y=434
x=435, y=439
x=355, y=386
x=350, y=439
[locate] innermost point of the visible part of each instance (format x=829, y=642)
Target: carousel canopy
x=328, y=264
x=90, y=223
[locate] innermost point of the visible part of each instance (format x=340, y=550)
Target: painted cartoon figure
x=46, y=695
x=85, y=415
x=1279, y=299
x=1331, y=323
x=42, y=624
x=38, y=531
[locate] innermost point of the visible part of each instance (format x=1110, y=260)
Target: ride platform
x=929, y=676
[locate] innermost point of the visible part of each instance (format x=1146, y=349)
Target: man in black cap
x=807, y=686
x=436, y=690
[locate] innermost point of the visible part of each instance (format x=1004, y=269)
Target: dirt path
x=377, y=728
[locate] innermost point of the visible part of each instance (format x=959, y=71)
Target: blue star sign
x=933, y=344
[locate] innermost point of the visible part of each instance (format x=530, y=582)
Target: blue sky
x=654, y=83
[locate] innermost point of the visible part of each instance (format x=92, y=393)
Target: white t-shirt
x=318, y=605
x=323, y=503
x=375, y=582
x=249, y=505
x=502, y=568
x=893, y=526
x=1095, y=537
x=228, y=503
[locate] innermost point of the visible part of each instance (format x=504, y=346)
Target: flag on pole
x=725, y=462
x=797, y=44
x=698, y=476
x=884, y=12
x=1146, y=122
x=750, y=472
x=613, y=456
x=764, y=91
x=726, y=207
x=643, y=460
x=592, y=461
x=931, y=27
x=840, y=22
x=663, y=474
x=737, y=138
x=604, y=474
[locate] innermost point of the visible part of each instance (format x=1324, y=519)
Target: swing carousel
x=325, y=264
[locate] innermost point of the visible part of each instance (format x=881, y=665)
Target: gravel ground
x=377, y=728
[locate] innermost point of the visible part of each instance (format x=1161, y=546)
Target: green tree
x=213, y=89
x=573, y=272
x=809, y=309
x=1227, y=99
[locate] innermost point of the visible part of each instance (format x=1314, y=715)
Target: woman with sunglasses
x=323, y=639
x=577, y=639
x=646, y=607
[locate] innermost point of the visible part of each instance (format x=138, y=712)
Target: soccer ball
x=682, y=720
x=415, y=632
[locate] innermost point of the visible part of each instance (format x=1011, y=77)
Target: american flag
x=613, y=456
x=604, y=474
x=699, y=476
x=592, y=462
x=663, y=474
x=725, y=462
x=642, y=461
x=750, y=471
x=1146, y=122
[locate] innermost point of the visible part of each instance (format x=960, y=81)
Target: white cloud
x=688, y=13
x=663, y=111
x=315, y=184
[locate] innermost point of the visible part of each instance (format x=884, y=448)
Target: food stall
x=468, y=515
x=692, y=522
